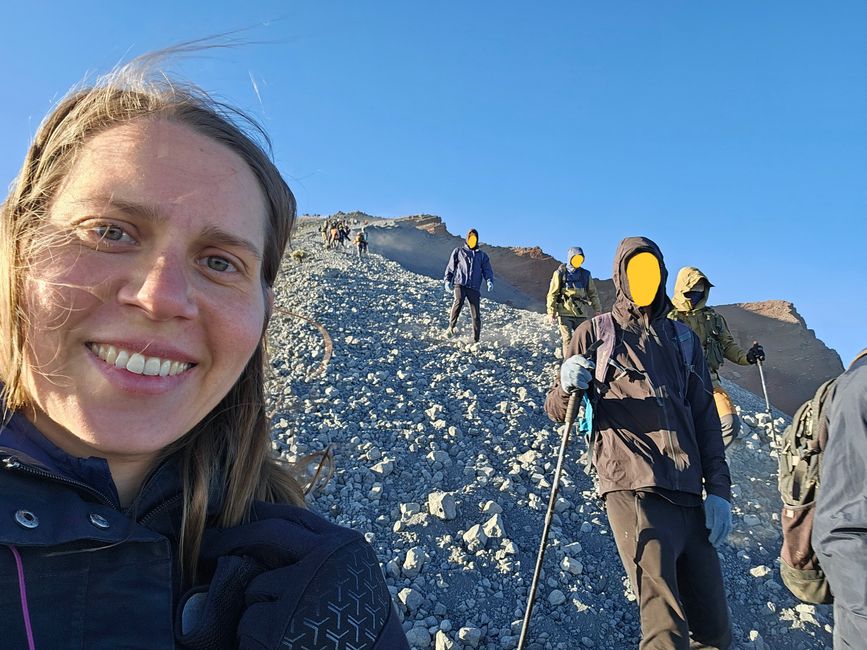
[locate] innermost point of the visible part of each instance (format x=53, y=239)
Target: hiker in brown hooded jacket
x=691, y=290
x=657, y=447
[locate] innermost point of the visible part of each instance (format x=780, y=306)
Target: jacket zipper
x=153, y=512
x=10, y=462
x=673, y=449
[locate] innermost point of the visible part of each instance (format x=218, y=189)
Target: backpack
x=800, y=466
x=603, y=327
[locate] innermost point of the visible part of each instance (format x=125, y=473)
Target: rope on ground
x=326, y=339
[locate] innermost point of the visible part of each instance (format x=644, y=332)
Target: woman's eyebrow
x=152, y=213
x=219, y=236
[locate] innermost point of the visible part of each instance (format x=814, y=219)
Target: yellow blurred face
x=472, y=240
x=644, y=277
x=576, y=261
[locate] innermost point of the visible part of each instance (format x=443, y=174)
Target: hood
x=575, y=250
x=688, y=278
x=625, y=310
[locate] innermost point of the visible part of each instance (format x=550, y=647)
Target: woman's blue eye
x=112, y=233
x=218, y=264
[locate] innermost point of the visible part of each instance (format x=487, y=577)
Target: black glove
x=755, y=353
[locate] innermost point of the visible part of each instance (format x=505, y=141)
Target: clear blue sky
x=734, y=134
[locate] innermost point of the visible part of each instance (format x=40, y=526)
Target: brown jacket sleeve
x=708, y=433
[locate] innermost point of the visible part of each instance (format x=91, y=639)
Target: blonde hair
x=232, y=443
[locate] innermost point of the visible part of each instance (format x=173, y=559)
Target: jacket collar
x=20, y=439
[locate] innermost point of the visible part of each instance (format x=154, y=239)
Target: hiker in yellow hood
x=572, y=296
x=691, y=290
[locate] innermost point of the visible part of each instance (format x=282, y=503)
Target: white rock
x=760, y=571
x=415, y=560
x=442, y=641
x=383, y=467
x=491, y=508
x=411, y=599
x=442, y=505
x=470, y=636
x=571, y=565
x=409, y=509
x=494, y=527
x=475, y=538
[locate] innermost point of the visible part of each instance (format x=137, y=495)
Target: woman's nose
x=161, y=288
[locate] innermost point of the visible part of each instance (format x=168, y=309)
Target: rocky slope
x=797, y=361
x=444, y=459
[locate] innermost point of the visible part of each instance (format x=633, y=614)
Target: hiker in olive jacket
x=691, y=291
x=656, y=448
x=840, y=524
x=572, y=296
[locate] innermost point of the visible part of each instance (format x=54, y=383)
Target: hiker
x=840, y=523
x=360, y=242
x=141, y=503
x=572, y=296
x=468, y=265
x=656, y=446
x=333, y=236
x=691, y=291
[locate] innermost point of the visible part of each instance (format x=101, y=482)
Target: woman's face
x=145, y=316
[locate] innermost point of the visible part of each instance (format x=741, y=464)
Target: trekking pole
x=767, y=403
x=571, y=410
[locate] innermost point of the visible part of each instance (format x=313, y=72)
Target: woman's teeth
x=138, y=363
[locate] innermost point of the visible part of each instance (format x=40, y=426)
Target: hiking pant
x=473, y=297
x=728, y=415
x=568, y=325
x=362, y=250
x=674, y=571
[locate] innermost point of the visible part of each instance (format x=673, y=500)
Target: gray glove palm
x=576, y=373
x=449, y=287
x=717, y=518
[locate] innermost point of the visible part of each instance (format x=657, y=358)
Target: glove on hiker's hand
x=755, y=353
x=448, y=286
x=490, y=286
x=575, y=373
x=553, y=317
x=717, y=518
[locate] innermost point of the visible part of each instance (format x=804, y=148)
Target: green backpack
x=800, y=467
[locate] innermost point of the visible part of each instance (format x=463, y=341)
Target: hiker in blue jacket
x=140, y=504
x=468, y=265
x=840, y=524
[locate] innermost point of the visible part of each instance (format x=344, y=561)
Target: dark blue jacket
x=99, y=576
x=467, y=267
x=840, y=524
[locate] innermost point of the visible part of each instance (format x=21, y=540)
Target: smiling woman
x=139, y=501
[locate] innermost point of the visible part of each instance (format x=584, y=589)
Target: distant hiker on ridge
x=571, y=295
x=467, y=267
x=360, y=242
x=657, y=447
x=691, y=290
